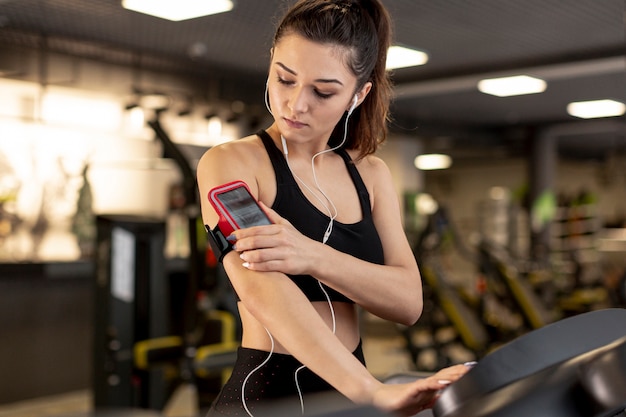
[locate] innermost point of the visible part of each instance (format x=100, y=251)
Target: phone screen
x=242, y=208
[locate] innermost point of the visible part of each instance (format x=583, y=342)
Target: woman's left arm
x=392, y=291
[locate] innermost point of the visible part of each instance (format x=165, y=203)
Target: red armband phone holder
x=237, y=209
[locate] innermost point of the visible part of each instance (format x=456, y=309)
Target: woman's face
x=309, y=88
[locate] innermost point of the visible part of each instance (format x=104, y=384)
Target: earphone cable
x=245, y=381
x=334, y=328
x=331, y=214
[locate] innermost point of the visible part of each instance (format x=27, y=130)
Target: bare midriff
x=346, y=329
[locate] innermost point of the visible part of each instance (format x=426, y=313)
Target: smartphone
x=236, y=207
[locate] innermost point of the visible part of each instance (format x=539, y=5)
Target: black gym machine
x=150, y=334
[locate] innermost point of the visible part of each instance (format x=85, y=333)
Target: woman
x=337, y=238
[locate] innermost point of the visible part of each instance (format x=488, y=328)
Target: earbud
x=284, y=142
x=355, y=100
x=266, y=97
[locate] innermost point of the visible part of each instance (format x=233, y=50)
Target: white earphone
x=355, y=100
x=266, y=97
x=332, y=210
x=332, y=213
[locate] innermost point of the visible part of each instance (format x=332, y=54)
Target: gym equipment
x=604, y=377
x=558, y=371
x=504, y=279
x=129, y=293
x=448, y=320
x=195, y=261
x=150, y=337
x=441, y=299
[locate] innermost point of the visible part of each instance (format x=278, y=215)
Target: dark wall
x=46, y=315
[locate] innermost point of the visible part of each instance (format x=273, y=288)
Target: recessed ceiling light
x=512, y=86
x=179, y=9
x=432, y=161
x=401, y=57
x=596, y=108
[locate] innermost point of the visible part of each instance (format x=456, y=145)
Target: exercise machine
x=448, y=323
x=505, y=280
x=152, y=332
x=573, y=367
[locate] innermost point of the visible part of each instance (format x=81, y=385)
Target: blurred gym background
x=109, y=296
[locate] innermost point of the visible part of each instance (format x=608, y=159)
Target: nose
x=298, y=100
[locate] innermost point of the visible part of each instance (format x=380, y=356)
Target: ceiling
x=577, y=46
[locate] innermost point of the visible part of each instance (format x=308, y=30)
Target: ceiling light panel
x=512, y=86
x=596, y=109
x=401, y=57
x=178, y=10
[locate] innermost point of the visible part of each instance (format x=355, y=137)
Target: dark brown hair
x=363, y=27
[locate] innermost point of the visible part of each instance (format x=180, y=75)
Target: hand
x=279, y=247
x=411, y=398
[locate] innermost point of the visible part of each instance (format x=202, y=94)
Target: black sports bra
x=359, y=239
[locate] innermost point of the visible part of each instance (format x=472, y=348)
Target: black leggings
x=273, y=381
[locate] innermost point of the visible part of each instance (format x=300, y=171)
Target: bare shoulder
x=374, y=171
x=378, y=181
x=235, y=159
x=241, y=159
x=241, y=151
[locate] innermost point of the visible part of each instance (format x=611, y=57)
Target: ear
x=362, y=93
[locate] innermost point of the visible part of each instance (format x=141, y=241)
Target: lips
x=294, y=124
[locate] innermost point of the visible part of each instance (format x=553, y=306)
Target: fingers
x=433, y=383
x=255, y=242
x=409, y=399
x=253, y=237
x=264, y=260
x=270, y=266
x=274, y=217
x=449, y=375
x=458, y=370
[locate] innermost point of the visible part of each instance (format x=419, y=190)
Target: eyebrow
x=319, y=80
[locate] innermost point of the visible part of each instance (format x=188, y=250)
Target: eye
x=321, y=95
x=283, y=81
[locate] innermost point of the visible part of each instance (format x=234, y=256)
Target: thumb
x=274, y=217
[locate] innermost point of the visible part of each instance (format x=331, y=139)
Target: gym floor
x=382, y=343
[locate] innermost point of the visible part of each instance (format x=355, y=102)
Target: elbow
x=411, y=314
x=412, y=308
